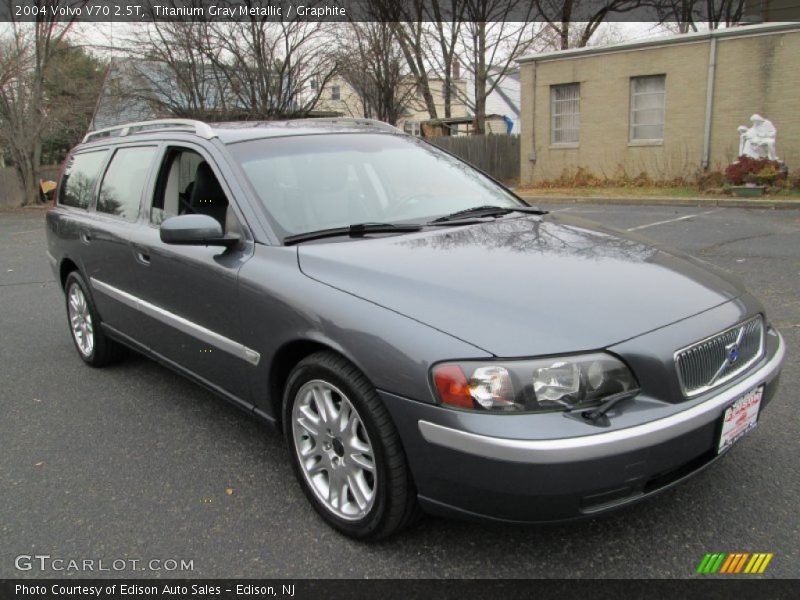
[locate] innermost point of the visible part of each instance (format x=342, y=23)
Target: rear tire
x=345, y=450
x=94, y=347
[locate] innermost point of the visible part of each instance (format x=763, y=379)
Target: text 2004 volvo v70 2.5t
x=423, y=338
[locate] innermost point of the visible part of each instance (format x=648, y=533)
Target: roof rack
x=353, y=120
x=200, y=129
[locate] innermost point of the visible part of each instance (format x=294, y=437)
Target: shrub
x=709, y=180
x=761, y=171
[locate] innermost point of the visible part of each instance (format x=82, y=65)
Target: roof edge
x=683, y=38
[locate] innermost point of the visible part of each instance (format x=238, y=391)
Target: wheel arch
x=287, y=357
x=66, y=267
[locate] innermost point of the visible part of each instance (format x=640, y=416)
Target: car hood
x=524, y=286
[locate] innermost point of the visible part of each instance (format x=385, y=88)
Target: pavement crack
x=728, y=242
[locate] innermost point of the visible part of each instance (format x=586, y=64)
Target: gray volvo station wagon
x=425, y=340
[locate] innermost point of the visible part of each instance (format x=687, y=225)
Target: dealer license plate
x=739, y=418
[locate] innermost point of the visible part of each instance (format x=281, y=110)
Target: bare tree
x=250, y=69
x=408, y=21
x=447, y=17
x=28, y=51
x=270, y=66
x=677, y=14
x=564, y=15
x=372, y=62
x=690, y=15
x=491, y=44
x=174, y=71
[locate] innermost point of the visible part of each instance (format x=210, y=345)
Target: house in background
x=339, y=97
x=416, y=113
x=116, y=104
x=140, y=90
x=503, y=102
x=666, y=106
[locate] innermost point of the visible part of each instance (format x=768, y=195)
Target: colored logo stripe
x=735, y=562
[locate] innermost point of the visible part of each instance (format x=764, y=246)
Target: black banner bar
x=430, y=589
x=143, y=11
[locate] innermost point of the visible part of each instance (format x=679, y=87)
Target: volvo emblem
x=732, y=350
x=733, y=353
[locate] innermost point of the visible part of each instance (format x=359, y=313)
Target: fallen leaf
x=39, y=464
x=229, y=491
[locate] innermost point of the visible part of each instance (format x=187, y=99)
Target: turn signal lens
x=451, y=383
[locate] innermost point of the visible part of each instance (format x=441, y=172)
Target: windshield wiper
x=355, y=230
x=487, y=211
x=609, y=403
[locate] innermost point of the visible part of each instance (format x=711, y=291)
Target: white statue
x=758, y=140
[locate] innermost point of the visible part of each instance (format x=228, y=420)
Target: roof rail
x=200, y=129
x=354, y=120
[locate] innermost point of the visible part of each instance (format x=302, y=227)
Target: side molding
x=188, y=327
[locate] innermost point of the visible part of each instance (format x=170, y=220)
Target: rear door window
x=121, y=190
x=80, y=177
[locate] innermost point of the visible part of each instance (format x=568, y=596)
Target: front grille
x=715, y=360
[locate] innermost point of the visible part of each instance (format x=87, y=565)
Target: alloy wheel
x=334, y=450
x=80, y=320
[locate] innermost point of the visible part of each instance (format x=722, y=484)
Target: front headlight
x=564, y=382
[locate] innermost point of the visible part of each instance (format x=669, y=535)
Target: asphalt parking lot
x=134, y=462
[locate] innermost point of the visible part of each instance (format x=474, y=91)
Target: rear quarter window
x=80, y=177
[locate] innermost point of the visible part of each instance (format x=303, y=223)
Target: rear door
x=110, y=259
x=69, y=221
x=190, y=293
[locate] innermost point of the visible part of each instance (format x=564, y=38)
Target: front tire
x=345, y=450
x=94, y=347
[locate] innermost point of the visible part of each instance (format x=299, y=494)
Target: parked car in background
x=424, y=339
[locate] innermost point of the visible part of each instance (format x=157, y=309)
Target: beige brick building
x=666, y=106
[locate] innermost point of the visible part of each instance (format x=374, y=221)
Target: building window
x=565, y=113
x=336, y=92
x=413, y=128
x=648, y=95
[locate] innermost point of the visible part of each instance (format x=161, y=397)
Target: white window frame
x=336, y=92
x=413, y=128
x=634, y=96
x=561, y=108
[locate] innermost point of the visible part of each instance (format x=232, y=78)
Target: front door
x=189, y=294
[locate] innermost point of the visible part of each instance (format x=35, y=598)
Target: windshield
x=315, y=182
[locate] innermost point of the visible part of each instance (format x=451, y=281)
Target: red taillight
x=451, y=383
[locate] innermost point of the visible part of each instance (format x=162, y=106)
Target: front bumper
x=460, y=468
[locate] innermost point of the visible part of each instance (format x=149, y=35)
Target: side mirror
x=195, y=230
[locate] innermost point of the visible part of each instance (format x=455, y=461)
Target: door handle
x=85, y=237
x=142, y=257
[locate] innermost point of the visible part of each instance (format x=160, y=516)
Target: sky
x=108, y=39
